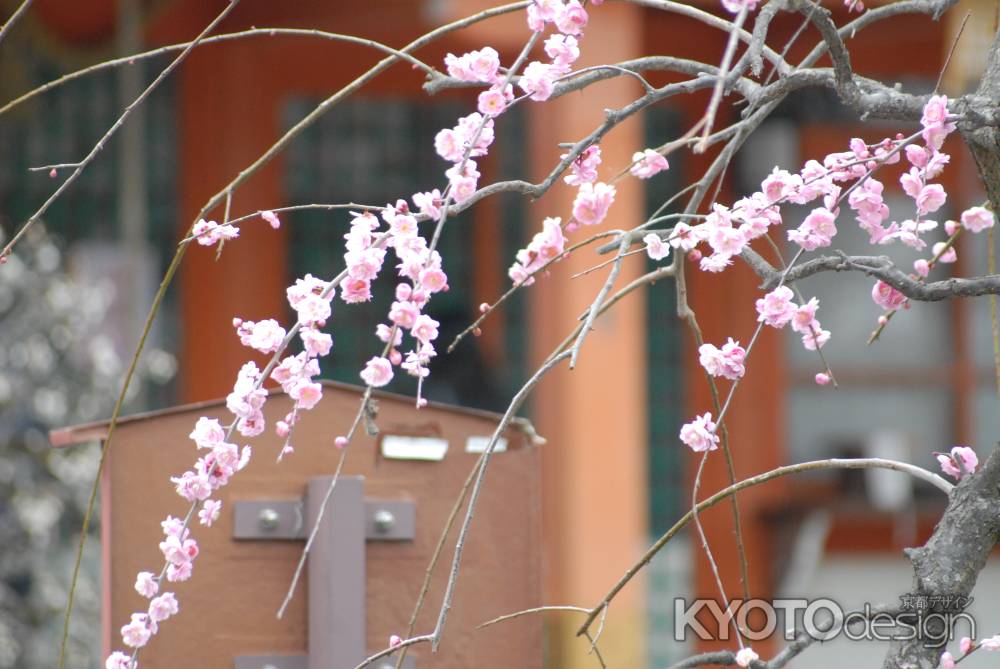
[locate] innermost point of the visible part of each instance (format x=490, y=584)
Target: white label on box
x=401, y=447
x=478, y=444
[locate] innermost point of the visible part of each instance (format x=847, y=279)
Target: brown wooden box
x=228, y=607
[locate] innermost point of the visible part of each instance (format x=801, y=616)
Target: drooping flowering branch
x=713, y=240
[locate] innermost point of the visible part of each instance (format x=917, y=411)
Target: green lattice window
x=664, y=344
x=62, y=126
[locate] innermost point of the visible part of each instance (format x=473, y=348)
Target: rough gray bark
x=984, y=142
x=946, y=567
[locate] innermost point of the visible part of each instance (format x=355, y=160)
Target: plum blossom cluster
x=473, y=135
x=845, y=175
x=421, y=273
x=211, y=472
x=778, y=309
x=210, y=233
x=421, y=276
x=594, y=198
x=926, y=163
x=726, y=362
x=545, y=246
x=142, y=627
x=967, y=646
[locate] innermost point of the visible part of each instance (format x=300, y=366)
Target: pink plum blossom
x=264, y=336
x=571, y=18
x=544, y=247
x=353, y=291
x=377, y=372
x=316, y=343
x=592, y=203
x=746, y=656
x=207, y=433
x=179, y=572
x=684, y=237
x=656, y=248
x=162, y=607
x=934, y=121
x=562, y=49
x=429, y=203
x=776, y=308
x=960, y=461
x=491, y=103
x=804, y=316
x=433, y=280
x=647, y=163
x=944, y=253
x=887, y=297
x=816, y=338
x=727, y=362
x=538, y=80
x=481, y=65
x=306, y=394
x=699, y=434
x=310, y=285
x=425, y=329
x=817, y=230
x=209, y=233
x=736, y=6
x=977, y=219
x=209, y=512
x=118, y=660
x=583, y=169
x=384, y=332
x=146, y=583
x=136, y=634
x=271, y=218
x=313, y=309
x=930, y=198
x=404, y=314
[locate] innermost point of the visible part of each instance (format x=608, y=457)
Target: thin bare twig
x=436, y=556
x=18, y=13
x=592, y=312
x=537, y=609
x=217, y=39
x=720, y=80
x=815, y=465
x=82, y=165
x=120, y=402
x=456, y=563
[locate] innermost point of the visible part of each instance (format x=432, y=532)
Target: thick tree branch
x=879, y=267
x=984, y=143
x=577, y=81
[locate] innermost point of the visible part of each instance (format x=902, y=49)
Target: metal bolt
x=383, y=520
x=268, y=519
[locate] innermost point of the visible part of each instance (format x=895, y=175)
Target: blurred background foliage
x=59, y=366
